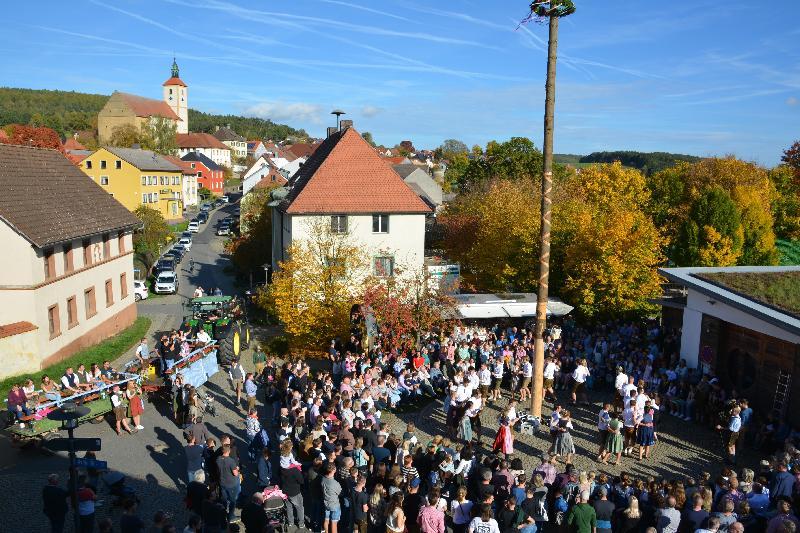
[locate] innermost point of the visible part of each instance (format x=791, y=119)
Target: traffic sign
x=88, y=462
x=81, y=445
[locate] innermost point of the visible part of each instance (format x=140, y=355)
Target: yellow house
x=137, y=177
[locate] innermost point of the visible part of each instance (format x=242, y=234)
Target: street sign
x=88, y=462
x=81, y=445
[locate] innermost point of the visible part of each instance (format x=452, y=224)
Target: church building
x=123, y=109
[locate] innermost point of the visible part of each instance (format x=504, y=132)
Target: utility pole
x=553, y=9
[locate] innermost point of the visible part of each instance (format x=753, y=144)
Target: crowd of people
x=321, y=443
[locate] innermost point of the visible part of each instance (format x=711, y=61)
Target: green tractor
x=224, y=319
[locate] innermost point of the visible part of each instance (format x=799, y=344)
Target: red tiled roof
x=303, y=149
x=147, y=107
x=394, y=160
x=3, y=134
x=16, y=328
x=199, y=140
x=76, y=158
x=268, y=181
x=186, y=166
x=345, y=175
x=174, y=81
x=73, y=144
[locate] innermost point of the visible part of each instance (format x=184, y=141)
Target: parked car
x=187, y=233
x=194, y=227
x=237, y=212
x=186, y=242
x=140, y=290
x=224, y=229
x=202, y=218
x=205, y=207
x=219, y=202
x=166, y=283
x=225, y=198
x=165, y=264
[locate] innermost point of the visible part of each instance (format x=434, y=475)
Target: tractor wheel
x=231, y=346
x=246, y=333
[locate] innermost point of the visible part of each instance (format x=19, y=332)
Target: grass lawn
x=789, y=251
x=109, y=349
x=179, y=227
x=780, y=290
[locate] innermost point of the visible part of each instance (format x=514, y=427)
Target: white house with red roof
x=348, y=187
x=176, y=95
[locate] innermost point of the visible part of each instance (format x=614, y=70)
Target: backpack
x=540, y=509
x=570, y=492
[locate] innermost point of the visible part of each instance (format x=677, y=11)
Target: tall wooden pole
x=537, y=397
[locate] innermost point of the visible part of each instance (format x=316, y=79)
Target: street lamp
x=68, y=414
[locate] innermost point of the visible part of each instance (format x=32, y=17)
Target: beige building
x=232, y=140
x=123, y=109
x=66, y=272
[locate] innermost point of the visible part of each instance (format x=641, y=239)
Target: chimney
x=331, y=130
x=344, y=124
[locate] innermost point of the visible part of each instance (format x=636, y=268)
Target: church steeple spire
x=175, y=73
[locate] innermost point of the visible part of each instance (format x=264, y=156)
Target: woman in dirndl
x=564, y=446
x=646, y=434
x=504, y=440
x=135, y=404
x=464, y=430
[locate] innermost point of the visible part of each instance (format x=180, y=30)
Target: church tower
x=176, y=95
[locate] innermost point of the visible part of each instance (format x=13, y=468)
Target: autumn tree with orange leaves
x=40, y=137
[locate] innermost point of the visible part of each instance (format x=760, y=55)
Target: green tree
x=252, y=249
x=204, y=193
x=368, y=137
x=154, y=233
x=786, y=202
x=712, y=235
x=159, y=135
x=450, y=148
x=126, y=136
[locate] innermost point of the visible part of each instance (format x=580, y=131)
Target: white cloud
x=792, y=101
x=370, y=110
x=281, y=111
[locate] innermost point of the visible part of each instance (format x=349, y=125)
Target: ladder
x=782, y=390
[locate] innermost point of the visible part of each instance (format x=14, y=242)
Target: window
x=144, y=198
x=118, y=164
x=72, y=312
x=88, y=165
x=69, y=262
x=106, y=247
x=87, y=252
x=384, y=267
x=121, y=242
x=49, y=264
x=155, y=197
x=109, y=293
x=192, y=165
x=176, y=180
x=339, y=224
x=89, y=303
x=199, y=173
x=144, y=180
x=380, y=223
x=103, y=180
x=123, y=286
x=102, y=164
x=53, y=321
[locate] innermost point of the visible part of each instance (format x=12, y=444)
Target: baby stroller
x=277, y=519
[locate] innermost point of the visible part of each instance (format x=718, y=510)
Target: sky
x=703, y=77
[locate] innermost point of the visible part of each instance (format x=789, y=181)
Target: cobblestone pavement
x=683, y=448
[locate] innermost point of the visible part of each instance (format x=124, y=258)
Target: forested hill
x=69, y=111
x=648, y=163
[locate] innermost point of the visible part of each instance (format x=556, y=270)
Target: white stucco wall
x=698, y=304
x=405, y=240
x=217, y=155
x=25, y=295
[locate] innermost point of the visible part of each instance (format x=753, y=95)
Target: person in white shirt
x=641, y=399
x=484, y=380
x=629, y=423
x=203, y=336
x=619, y=383
x=484, y=523
x=525, y=382
x=498, y=368
x=550, y=369
x=474, y=414
x=579, y=377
